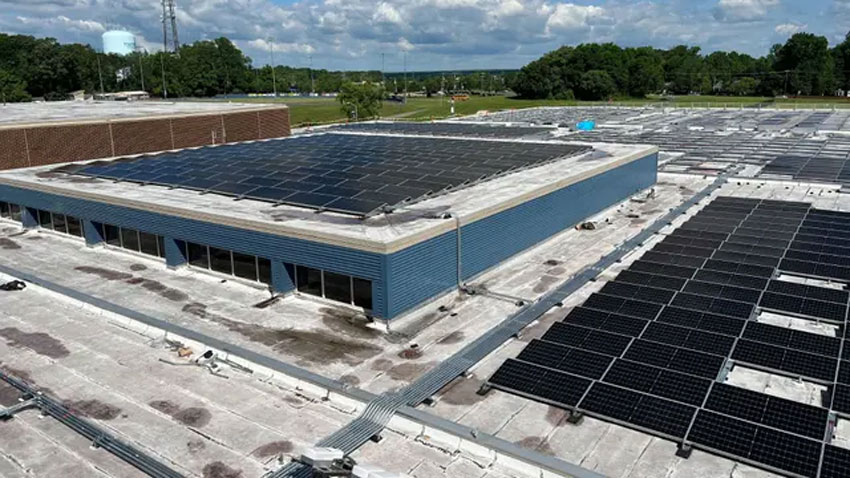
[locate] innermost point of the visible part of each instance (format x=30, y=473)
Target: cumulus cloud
x=788, y=29
x=743, y=10
x=568, y=16
x=445, y=34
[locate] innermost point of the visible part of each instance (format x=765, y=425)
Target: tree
x=12, y=88
x=361, y=100
x=810, y=65
x=743, y=86
x=646, y=75
x=596, y=85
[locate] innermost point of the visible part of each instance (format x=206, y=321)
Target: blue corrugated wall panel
x=418, y=273
x=490, y=241
x=366, y=265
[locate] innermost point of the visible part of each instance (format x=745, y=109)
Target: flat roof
x=383, y=233
x=35, y=113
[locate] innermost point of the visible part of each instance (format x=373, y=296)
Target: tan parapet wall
x=34, y=144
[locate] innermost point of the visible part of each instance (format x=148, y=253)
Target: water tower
x=119, y=42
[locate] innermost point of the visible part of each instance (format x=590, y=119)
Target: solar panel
x=836, y=462
x=786, y=452
x=722, y=433
x=663, y=416
x=351, y=174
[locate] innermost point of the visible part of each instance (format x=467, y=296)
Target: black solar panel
x=448, y=129
x=665, y=328
x=352, y=174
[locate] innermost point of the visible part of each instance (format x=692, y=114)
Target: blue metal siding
x=427, y=269
x=492, y=240
x=366, y=265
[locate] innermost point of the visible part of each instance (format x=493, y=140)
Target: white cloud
x=386, y=13
x=266, y=45
x=788, y=29
x=404, y=45
x=568, y=16
x=743, y=10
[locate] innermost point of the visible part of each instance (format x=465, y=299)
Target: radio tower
x=169, y=17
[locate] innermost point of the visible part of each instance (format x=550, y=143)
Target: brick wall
x=59, y=143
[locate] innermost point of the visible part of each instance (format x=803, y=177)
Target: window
x=148, y=244
x=198, y=255
x=15, y=212
x=130, y=239
x=362, y=293
x=309, y=280
x=75, y=227
x=333, y=286
x=337, y=287
x=59, y=224
x=112, y=235
x=45, y=220
x=264, y=270
x=220, y=261
x=245, y=266
x=10, y=211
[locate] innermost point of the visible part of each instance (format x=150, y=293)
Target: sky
x=434, y=34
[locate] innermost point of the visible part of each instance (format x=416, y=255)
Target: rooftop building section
x=805, y=145
x=80, y=111
x=36, y=134
x=382, y=233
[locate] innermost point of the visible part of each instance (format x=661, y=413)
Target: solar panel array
x=651, y=349
x=715, y=140
x=450, y=129
x=352, y=174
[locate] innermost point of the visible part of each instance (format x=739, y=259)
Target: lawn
x=306, y=111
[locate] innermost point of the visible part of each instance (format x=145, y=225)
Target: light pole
x=162, y=66
x=274, y=79
x=312, y=81
x=140, y=50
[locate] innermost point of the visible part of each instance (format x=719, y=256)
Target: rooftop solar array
x=716, y=140
x=352, y=174
x=451, y=129
x=652, y=348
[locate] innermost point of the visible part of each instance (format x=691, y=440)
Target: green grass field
x=306, y=111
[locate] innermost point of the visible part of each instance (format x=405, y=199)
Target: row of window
x=245, y=266
x=131, y=239
x=10, y=211
x=330, y=285
x=333, y=286
x=60, y=223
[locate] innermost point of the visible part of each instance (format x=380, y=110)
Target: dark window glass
x=338, y=287
x=220, y=261
x=160, y=242
x=363, y=293
x=45, y=220
x=111, y=235
x=15, y=212
x=4, y=209
x=264, y=270
x=59, y=223
x=198, y=255
x=309, y=280
x=75, y=228
x=148, y=243
x=245, y=266
x=130, y=239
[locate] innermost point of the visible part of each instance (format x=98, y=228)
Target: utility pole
x=405, y=76
x=274, y=79
x=141, y=70
x=162, y=66
x=99, y=73
x=312, y=81
x=382, y=69
x=173, y=15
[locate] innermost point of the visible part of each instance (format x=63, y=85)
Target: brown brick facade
x=49, y=144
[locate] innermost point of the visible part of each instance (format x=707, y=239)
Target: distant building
x=119, y=42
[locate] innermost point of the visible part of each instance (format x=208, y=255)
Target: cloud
x=743, y=10
x=788, y=29
x=568, y=16
x=445, y=34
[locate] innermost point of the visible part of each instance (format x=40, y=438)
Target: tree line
x=803, y=65
x=44, y=68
